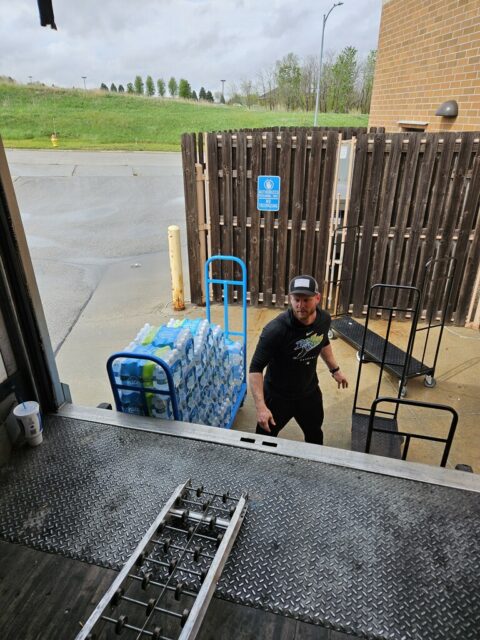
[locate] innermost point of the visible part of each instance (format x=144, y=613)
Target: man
x=289, y=347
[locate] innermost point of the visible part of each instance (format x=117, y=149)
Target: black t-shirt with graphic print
x=290, y=350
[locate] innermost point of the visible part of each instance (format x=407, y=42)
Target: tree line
x=346, y=85
x=182, y=89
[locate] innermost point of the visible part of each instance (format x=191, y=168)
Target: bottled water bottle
x=143, y=333
x=194, y=415
x=217, y=336
x=161, y=407
x=130, y=369
x=235, y=354
x=184, y=397
x=185, y=344
x=202, y=413
x=192, y=324
x=204, y=332
x=222, y=373
x=172, y=359
x=201, y=379
x=142, y=372
x=148, y=334
x=176, y=338
x=190, y=378
x=175, y=323
x=118, y=362
x=200, y=358
x=211, y=416
x=225, y=411
x=131, y=402
x=165, y=337
x=194, y=400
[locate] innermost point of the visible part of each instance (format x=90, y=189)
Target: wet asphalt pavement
x=85, y=211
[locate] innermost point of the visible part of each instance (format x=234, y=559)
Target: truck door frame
x=35, y=371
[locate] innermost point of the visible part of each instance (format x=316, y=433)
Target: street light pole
x=223, y=85
x=84, y=83
x=317, y=99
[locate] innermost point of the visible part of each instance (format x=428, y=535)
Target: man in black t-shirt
x=289, y=347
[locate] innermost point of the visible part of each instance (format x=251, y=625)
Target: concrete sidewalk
x=128, y=297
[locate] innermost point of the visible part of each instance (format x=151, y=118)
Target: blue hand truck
x=241, y=289
x=242, y=292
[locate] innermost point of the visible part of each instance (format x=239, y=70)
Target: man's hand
x=340, y=379
x=264, y=415
x=265, y=418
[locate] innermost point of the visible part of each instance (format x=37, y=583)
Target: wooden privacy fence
x=274, y=245
x=408, y=197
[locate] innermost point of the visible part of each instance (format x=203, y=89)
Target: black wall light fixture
x=448, y=109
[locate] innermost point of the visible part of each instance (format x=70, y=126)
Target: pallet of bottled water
x=206, y=367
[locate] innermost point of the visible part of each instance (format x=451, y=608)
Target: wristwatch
x=334, y=371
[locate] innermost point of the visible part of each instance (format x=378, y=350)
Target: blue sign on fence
x=268, y=193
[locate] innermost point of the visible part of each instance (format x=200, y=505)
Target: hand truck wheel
x=429, y=382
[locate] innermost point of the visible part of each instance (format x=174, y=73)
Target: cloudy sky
x=203, y=41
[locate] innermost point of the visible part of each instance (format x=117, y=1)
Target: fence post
x=202, y=225
x=473, y=318
x=327, y=204
x=214, y=236
x=333, y=224
x=195, y=266
x=349, y=233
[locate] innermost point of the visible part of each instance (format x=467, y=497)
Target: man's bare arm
x=327, y=356
x=264, y=415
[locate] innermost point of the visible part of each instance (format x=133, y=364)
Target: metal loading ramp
x=360, y=552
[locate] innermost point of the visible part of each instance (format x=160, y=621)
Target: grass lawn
x=96, y=120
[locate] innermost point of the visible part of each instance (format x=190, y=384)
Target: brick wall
x=428, y=52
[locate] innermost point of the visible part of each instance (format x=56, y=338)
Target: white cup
x=28, y=414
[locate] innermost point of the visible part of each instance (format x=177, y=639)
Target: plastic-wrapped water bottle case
x=207, y=369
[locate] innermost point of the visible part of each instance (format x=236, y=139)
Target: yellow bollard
x=176, y=267
x=54, y=140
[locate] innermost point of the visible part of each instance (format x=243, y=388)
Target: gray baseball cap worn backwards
x=303, y=285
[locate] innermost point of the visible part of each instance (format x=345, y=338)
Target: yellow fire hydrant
x=54, y=140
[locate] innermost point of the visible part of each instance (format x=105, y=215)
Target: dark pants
x=307, y=411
